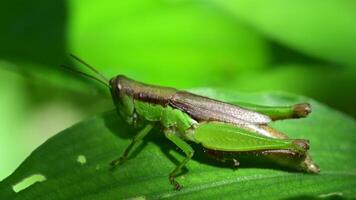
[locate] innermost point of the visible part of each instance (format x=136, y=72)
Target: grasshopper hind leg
x=140, y=135
x=219, y=156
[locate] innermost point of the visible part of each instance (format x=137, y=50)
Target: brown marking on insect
x=198, y=107
x=121, y=85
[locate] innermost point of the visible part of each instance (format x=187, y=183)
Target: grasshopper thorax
x=124, y=86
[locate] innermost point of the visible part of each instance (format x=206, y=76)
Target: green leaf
x=74, y=164
x=322, y=83
x=323, y=29
x=163, y=38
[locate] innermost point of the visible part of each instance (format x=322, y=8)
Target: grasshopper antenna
x=85, y=74
x=90, y=67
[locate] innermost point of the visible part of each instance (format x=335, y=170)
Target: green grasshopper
x=224, y=130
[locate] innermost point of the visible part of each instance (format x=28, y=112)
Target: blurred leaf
x=149, y=41
x=165, y=42
x=321, y=28
x=13, y=110
x=323, y=83
x=26, y=102
x=74, y=163
x=33, y=31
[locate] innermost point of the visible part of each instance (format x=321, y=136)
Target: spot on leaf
x=332, y=194
x=28, y=181
x=81, y=159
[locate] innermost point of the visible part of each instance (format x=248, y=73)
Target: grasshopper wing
x=204, y=109
x=227, y=137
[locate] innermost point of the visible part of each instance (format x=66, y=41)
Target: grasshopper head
x=115, y=89
x=122, y=99
x=118, y=87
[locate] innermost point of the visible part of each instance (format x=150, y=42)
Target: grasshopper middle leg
x=186, y=148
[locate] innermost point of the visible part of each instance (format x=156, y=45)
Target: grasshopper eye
x=119, y=86
x=115, y=84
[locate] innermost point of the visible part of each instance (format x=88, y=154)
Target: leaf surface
x=74, y=164
x=321, y=29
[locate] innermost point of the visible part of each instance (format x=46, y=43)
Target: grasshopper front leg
x=280, y=112
x=135, y=140
x=186, y=148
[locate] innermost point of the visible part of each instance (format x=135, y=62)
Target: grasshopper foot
x=117, y=162
x=175, y=184
x=236, y=163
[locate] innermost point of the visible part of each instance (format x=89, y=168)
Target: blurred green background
x=298, y=46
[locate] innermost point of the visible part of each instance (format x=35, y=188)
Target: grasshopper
x=224, y=130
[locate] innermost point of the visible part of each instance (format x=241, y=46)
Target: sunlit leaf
x=323, y=29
